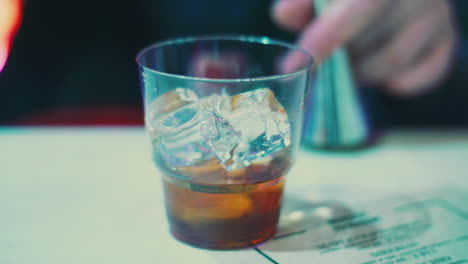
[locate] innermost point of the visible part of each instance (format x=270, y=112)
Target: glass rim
x=262, y=40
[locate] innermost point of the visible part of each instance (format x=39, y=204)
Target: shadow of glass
x=329, y=225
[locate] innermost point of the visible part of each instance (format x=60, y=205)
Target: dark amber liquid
x=210, y=207
x=223, y=216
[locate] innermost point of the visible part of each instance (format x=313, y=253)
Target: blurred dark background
x=73, y=62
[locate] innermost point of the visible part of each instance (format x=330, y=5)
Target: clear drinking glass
x=224, y=116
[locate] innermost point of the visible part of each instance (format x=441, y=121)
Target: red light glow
x=10, y=18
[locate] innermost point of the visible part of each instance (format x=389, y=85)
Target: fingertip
x=292, y=15
x=289, y=63
x=295, y=61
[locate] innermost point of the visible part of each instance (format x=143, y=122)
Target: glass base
x=224, y=244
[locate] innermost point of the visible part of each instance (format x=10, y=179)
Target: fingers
x=406, y=47
x=338, y=23
x=428, y=71
x=394, y=16
x=293, y=15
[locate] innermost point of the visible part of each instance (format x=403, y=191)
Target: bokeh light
x=10, y=17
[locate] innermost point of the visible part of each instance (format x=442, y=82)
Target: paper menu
x=424, y=228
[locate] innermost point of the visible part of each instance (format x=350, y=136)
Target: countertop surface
x=92, y=195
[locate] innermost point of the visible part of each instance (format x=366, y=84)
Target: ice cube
x=167, y=103
x=244, y=127
x=237, y=130
x=172, y=121
x=220, y=135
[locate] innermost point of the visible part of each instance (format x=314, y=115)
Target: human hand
x=405, y=46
